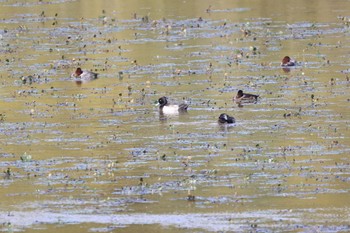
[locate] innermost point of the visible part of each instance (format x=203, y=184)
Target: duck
x=224, y=118
x=84, y=76
x=241, y=96
x=287, y=61
x=167, y=108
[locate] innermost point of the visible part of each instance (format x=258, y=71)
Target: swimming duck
x=286, y=61
x=245, y=97
x=84, y=76
x=167, y=108
x=224, y=118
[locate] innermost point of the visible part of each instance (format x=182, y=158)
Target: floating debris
x=26, y=157
x=191, y=197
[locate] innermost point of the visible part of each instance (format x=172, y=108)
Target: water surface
x=100, y=157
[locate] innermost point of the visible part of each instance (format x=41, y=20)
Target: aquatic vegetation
x=26, y=157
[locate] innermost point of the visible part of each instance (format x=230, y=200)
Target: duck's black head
x=163, y=101
x=239, y=93
x=224, y=118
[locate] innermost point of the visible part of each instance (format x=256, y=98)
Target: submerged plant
x=26, y=157
x=8, y=173
x=2, y=117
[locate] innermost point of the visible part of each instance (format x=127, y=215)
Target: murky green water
x=100, y=157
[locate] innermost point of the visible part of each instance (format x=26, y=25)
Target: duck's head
x=78, y=72
x=239, y=93
x=162, y=101
x=285, y=60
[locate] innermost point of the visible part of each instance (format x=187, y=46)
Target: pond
x=100, y=156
